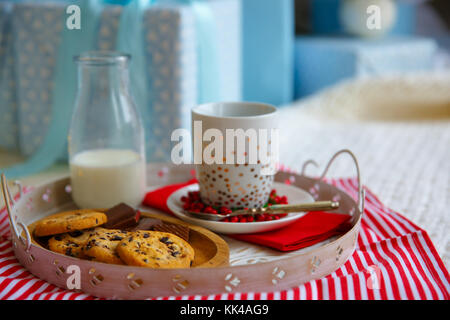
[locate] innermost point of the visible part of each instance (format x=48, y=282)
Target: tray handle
x=10, y=202
x=361, y=192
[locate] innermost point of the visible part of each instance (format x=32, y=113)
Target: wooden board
x=210, y=249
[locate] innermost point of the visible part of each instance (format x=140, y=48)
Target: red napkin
x=312, y=228
x=158, y=198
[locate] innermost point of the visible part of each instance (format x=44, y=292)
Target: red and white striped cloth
x=394, y=259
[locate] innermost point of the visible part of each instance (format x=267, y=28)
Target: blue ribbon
x=130, y=40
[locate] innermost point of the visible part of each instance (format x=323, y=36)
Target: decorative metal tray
x=251, y=267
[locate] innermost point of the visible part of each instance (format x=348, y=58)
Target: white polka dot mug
x=235, y=147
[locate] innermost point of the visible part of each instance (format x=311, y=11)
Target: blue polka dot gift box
x=36, y=37
x=172, y=59
x=8, y=104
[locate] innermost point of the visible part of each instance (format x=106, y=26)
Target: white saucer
x=294, y=195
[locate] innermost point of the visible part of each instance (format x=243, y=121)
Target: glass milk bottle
x=106, y=138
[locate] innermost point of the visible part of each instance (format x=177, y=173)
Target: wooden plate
x=210, y=249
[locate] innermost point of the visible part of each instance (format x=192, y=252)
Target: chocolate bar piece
x=121, y=216
x=159, y=225
x=176, y=229
x=145, y=224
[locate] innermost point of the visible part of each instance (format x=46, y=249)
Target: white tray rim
x=101, y=279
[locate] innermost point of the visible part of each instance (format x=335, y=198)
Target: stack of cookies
x=90, y=234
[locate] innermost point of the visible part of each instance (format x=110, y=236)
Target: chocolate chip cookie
x=102, y=243
x=69, y=221
x=70, y=244
x=154, y=249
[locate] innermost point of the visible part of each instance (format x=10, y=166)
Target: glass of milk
x=106, y=138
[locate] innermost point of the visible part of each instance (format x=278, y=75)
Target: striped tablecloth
x=394, y=259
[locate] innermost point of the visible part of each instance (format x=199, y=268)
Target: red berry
x=194, y=195
x=223, y=210
x=198, y=205
x=192, y=202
